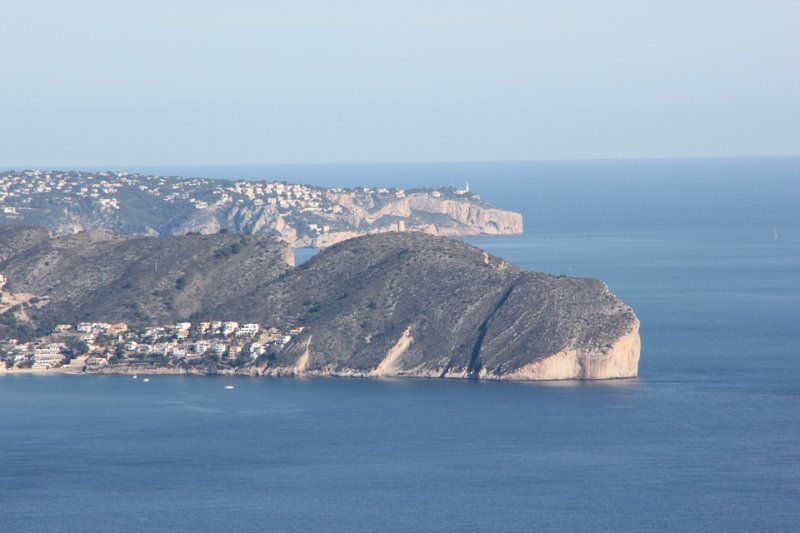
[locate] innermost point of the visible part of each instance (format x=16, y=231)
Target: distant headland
x=125, y=203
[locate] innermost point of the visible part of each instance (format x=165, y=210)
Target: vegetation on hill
x=392, y=303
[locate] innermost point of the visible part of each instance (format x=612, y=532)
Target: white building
x=48, y=356
x=201, y=347
x=248, y=330
x=257, y=349
x=218, y=349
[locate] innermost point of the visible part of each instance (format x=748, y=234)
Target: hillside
x=391, y=304
x=141, y=280
x=412, y=304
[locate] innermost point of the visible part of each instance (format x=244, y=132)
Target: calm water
x=706, y=439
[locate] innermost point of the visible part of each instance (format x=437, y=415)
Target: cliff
x=390, y=304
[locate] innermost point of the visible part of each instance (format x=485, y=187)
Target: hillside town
x=93, y=346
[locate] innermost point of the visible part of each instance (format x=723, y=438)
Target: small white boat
x=134, y=377
x=229, y=387
x=146, y=380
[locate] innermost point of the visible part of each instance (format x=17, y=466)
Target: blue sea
x=707, y=438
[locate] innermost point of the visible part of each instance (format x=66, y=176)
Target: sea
x=707, y=438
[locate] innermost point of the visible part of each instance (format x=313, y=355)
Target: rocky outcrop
x=455, y=218
x=620, y=361
x=483, y=219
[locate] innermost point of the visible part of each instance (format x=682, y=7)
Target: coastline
x=76, y=366
x=292, y=373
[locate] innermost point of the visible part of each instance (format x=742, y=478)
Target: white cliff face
x=397, y=208
x=302, y=362
x=391, y=365
x=487, y=220
x=329, y=239
x=464, y=218
x=620, y=361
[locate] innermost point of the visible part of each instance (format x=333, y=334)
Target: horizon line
x=4, y=168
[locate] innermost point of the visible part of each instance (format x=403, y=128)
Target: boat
x=146, y=380
x=229, y=387
x=134, y=377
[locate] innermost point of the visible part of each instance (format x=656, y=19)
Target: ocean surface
x=706, y=439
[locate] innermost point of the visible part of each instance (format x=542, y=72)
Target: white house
x=248, y=330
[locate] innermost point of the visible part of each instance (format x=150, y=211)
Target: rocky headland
x=123, y=203
x=384, y=305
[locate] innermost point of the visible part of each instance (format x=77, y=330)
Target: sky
x=304, y=81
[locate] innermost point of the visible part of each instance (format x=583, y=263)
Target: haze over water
x=706, y=439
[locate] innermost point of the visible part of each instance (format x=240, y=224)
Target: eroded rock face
x=485, y=220
x=620, y=361
x=383, y=305
x=420, y=213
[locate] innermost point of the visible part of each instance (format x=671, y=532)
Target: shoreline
x=311, y=375
x=76, y=366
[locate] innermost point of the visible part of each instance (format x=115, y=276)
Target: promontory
x=301, y=215
x=383, y=305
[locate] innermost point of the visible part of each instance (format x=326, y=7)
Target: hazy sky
x=180, y=82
